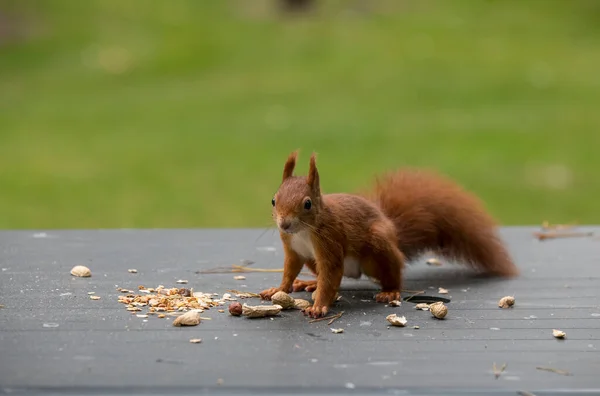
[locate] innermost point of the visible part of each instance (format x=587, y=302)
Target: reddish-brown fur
x=407, y=213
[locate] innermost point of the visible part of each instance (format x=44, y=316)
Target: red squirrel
x=407, y=213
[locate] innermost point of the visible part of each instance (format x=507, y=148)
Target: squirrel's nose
x=285, y=224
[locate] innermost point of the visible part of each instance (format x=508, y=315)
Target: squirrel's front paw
x=386, y=297
x=315, y=311
x=268, y=293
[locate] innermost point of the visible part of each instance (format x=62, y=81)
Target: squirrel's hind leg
x=306, y=285
x=385, y=264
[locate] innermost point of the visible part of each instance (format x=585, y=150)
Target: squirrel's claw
x=315, y=311
x=386, y=297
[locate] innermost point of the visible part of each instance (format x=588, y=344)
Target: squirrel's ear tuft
x=313, y=173
x=290, y=164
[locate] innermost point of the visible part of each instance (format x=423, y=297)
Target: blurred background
x=181, y=113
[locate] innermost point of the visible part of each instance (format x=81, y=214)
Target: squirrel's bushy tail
x=432, y=213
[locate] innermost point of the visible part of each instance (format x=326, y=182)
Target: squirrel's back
x=432, y=213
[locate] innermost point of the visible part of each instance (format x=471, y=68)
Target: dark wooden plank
x=100, y=347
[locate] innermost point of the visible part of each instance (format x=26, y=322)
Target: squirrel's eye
x=273, y=202
x=307, y=204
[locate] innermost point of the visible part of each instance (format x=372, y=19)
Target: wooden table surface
x=54, y=339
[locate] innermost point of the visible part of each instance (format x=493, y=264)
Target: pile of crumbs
x=164, y=301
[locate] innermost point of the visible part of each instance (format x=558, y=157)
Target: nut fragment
x=506, y=302
x=196, y=340
x=161, y=316
x=132, y=271
x=81, y=271
x=301, y=304
x=182, y=281
x=438, y=310
x=239, y=277
x=282, y=298
x=395, y=303
x=235, y=308
x=93, y=297
x=191, y=318
x=337, y=331
x=558, y=333
x=442, y=291
x=435, y=262
x=396, y=320
x=260, y=311
x=422, y=306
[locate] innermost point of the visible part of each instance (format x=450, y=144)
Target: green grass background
x=155, y=113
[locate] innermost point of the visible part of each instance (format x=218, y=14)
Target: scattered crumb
x=497, y=371
x=396, y=320
x=132, y=271
x=196, y=340
x=240, y=294
x=182, y=281
x=81, y=271
x=558, y=333
x=90, y=293
x=442, y=291
x=422, y=306
x=506, y=302
x=433, y=261
x=239, y=277
x=95, y=297
x=161, y=316
x=337, y=331
x=416, y=327
x=395, y=303
x=553, y=370
x=141, y=316
x=221, y=310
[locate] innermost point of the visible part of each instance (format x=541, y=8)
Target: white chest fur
x=302, y=245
